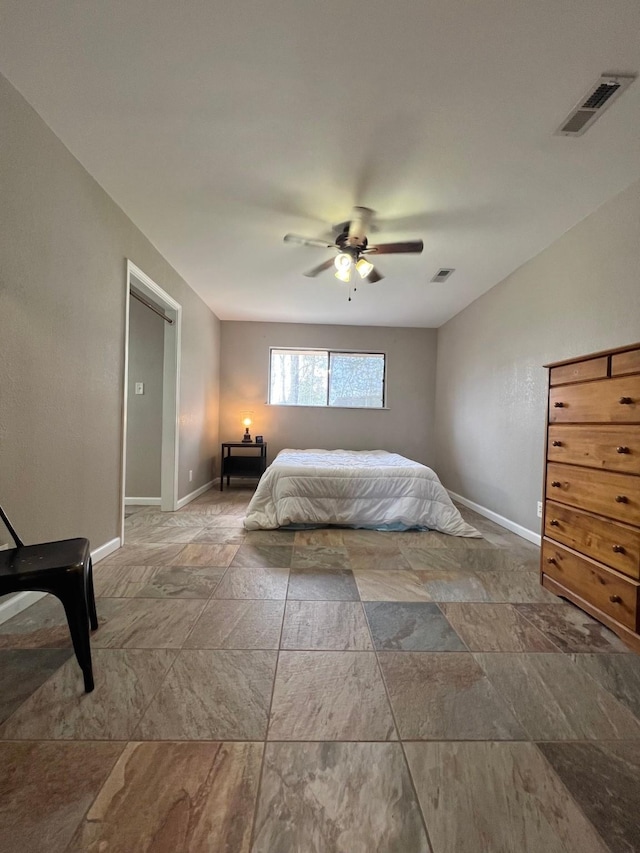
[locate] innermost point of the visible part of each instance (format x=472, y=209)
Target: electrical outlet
x=539, y=509
x=139, y=387
x=190, y=476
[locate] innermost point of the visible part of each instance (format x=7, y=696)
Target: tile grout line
x=158, y=568
x=39, y=687
x=266, y=732
x=570, y=796
x=410, y=740
x=266, y=741
x=146, y=708
x=177, y=650
x=125, y=744
x=213, y=592
x=589, y=677
x=432, y=849
x=553, y=642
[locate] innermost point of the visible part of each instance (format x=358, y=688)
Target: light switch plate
x=139, y=387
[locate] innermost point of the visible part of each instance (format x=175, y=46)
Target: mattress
x=353, y=488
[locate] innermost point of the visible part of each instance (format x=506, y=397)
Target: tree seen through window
x=301, y=377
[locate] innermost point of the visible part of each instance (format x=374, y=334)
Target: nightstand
x=235, y=464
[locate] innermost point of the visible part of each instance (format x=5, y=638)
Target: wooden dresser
x=591, y=521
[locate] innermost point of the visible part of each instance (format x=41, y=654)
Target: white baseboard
x=104, y=550
x=142, y=501
x=17, y=603
x=20, y=601
x=518, y=529
x=196, y=494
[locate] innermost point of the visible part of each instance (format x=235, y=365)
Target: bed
x=352, y=488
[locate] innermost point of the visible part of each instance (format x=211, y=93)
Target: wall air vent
x=443, y=274
x=602, y=94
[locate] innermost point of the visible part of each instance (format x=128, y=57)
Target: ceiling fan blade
x=415, y=246
x=308, y=241
x=359, y=224
x=320, y=268
x=374, y=275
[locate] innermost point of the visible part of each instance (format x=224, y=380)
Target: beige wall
x=407, y=426
x=63, y=250
x=144, y=411
x=580, y=295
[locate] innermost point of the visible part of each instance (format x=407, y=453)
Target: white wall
x=406, y=427
x=144, y=411
x=580, y=295
x=63, y=250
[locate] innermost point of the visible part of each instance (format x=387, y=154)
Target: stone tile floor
x=330, y=691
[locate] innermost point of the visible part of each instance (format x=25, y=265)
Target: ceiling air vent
x=607, y=88
x=443, y=274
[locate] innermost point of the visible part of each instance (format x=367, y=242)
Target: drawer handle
x=625, y=401
x=622, y=449
x=621, y=499
x=556, y=444
x=554, y=522
x=551, y=559
x=560, y=405
x=615, y=599
x=556, y=485
x=619, y=549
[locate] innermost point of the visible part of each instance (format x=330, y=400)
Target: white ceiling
x=218, y=127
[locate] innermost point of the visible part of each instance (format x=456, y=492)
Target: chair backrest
x=11, y=528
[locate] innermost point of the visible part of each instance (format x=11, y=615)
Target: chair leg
x=91, y=599
x=74, y=600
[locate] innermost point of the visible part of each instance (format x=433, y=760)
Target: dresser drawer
x=614, y=448
x=610, y=592
x=604, y=401
x=625, y=362
x=614, y=544
x=615, y=496
x=579, y=371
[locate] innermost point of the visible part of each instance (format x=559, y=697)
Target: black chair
x=63, y=569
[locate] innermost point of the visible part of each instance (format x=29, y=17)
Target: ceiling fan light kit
x=343, y=262
x=352, y=245
x=364, y=267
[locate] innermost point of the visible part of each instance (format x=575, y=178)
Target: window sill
x=330, y=408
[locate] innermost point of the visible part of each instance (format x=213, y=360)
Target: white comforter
x=358, y=488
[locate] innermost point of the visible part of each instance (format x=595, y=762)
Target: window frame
x=329, y=352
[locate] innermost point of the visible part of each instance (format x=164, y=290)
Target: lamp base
x=246, y=438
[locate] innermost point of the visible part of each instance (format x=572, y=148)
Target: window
x=313, y=377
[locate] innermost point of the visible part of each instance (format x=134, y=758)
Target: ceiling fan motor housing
x=346, y=244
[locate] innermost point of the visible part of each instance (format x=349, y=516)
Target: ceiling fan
x=353, y=245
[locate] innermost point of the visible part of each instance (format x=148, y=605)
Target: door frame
x=170, y=388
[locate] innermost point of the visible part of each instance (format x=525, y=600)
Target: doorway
x=146, y=295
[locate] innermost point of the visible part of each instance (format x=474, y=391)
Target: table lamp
x=246, y=423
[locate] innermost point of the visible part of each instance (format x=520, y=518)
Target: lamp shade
x=343, y=262
x=364, y=267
